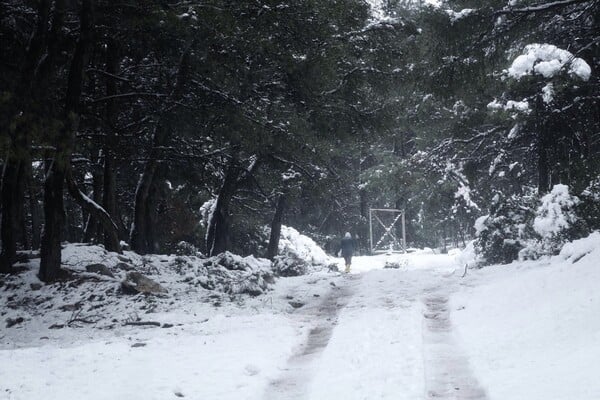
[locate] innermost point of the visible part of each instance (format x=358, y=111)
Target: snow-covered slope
x=532, y=329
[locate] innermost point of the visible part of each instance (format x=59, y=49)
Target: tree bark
x=217, y=234
x=9, y=225
x=36, y=226
x=151, y=218
x=109, y=198
x=55, y=178
x=53, y=224
x=24, y=166
x=273, y=247
x=12, y=190
x=543, y=147
x=217, y=237
x=142, y=228
x=93, y=228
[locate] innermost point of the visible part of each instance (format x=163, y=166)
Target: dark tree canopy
x=157, y=122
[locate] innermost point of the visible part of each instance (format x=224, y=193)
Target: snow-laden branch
x=548, y=60
x=96, y=210
x=541, y=7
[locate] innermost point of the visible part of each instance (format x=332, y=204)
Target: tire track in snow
x=295, y=377
x=447, y=371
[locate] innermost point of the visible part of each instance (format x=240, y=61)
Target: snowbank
x=292, y=242
x=102, y=290
x=531, y=329
x=588, y=247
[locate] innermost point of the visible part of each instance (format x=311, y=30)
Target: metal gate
x=383, y=224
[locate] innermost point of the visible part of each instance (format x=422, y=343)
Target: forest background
x=207, y=125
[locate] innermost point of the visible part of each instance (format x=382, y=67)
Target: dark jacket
x=347, y=246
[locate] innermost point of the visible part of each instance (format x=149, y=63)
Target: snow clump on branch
x=511, y=105
x=547, y=60
x=456, y=15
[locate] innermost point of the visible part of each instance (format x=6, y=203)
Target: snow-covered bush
x=297, y=253
x=556, y=213
x=290, y=265
x=184, y=248
x=521, y=227
x=501, y=234
x=295, y=245
x=233, y=274
x=554, y=223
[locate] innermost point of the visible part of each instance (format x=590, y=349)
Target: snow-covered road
x=357, y=336
x=381, y=334
x=417, y=332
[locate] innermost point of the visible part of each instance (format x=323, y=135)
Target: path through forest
x=374, y=334
x=380, y=334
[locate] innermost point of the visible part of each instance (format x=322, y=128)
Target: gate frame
x=388, y=230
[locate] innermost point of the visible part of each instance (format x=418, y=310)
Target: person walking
x=347, y=250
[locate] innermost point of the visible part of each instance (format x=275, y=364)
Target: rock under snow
x=99, y=269
x=135, y=283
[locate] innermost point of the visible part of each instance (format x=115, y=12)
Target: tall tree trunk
x=217, y=234
x=36, y=226
x=152, y=242
x=543, y=148
x=12, y=191
x=139, y=229
x=543, y=168
x=273, y=247
x=93, y=227
x=217, y=237
x=109, y=198
x=53, y=223
x=55, y=178
x=14, y=183
x=9, y=215
x=24, y=166
x=31, y=192
x=142, y=227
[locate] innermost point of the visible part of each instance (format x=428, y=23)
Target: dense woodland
x=211, y=123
